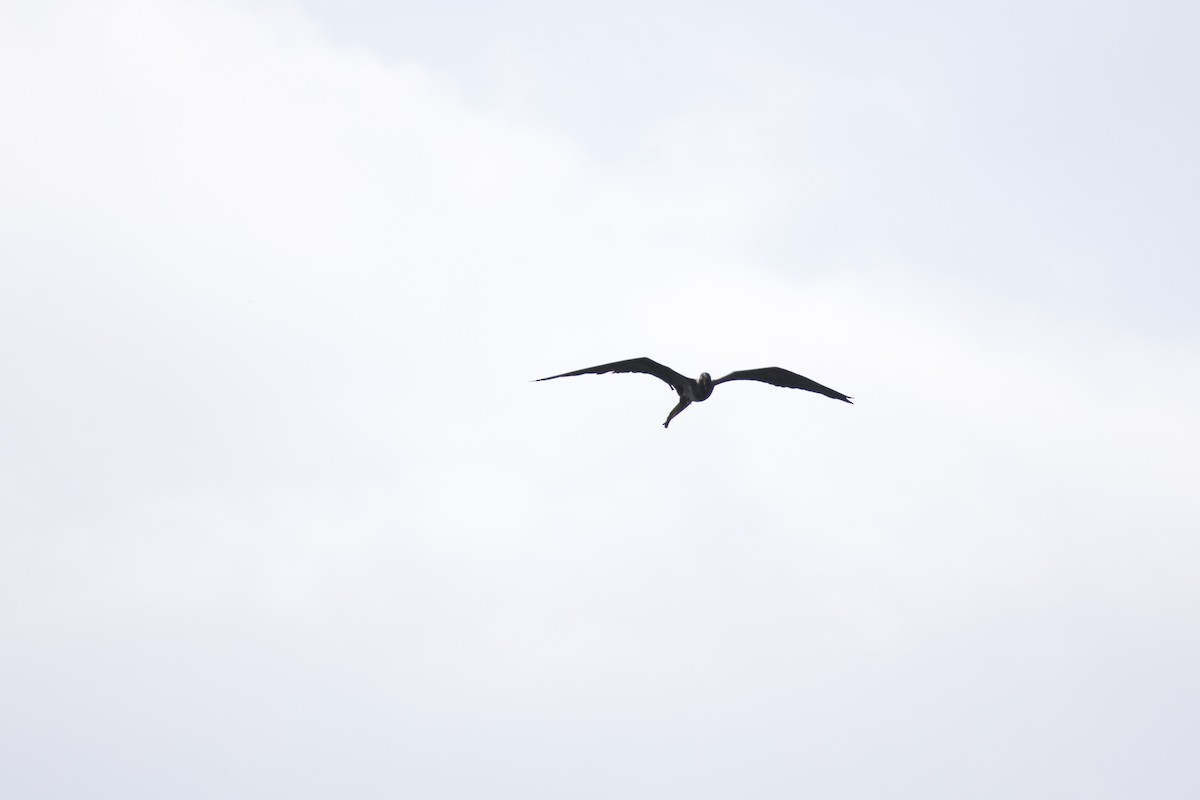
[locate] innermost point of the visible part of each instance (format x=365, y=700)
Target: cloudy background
x=281, y=514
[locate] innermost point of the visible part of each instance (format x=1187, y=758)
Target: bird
x=696, y=391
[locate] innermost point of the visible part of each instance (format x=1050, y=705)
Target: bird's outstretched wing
x=672, y=378
x=777, y=376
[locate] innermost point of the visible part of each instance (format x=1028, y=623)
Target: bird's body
x=696, y=391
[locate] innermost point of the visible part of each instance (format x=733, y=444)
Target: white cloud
x=284, y=514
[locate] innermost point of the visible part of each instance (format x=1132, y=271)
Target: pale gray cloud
x=1034, y=152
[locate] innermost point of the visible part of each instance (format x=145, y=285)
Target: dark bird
x=691, y=391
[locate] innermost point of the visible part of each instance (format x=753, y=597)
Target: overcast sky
x=282, y=515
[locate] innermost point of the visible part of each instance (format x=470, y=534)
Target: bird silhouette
x=696, y=391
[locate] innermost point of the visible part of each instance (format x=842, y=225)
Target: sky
x=282, y=513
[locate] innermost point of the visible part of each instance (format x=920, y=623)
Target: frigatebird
x=691, y=391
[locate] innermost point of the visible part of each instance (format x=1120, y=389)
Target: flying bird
x=697, y=391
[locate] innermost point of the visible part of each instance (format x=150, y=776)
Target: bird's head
x=705, y=380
